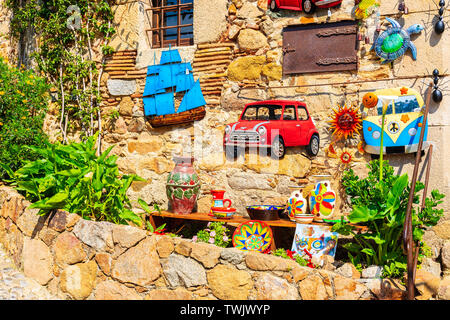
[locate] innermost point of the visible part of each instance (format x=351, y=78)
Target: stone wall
x=80, y=259
x=249, y=54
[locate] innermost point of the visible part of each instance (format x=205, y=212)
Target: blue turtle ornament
x=394, y=42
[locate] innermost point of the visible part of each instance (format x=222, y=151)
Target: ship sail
x=167, y=78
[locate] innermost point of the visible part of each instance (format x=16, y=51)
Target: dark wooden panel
x=320, y=47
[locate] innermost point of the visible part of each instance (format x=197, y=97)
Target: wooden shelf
x=238, y=219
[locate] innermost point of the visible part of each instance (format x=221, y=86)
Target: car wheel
x=313, y=147
x=232, y=152
x=273, y=6
x=308, y=6
x=278, y=148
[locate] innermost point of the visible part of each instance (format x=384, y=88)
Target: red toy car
x=272, y=125
x=307, y=6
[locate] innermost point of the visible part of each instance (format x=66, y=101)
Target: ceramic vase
x=322, y=199
x=296, y=204
x=183, y=186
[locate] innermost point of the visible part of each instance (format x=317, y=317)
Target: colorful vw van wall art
x=402, y=124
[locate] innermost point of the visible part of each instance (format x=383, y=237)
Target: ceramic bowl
x=223, y=213
x=265, y=212
x=303, y=218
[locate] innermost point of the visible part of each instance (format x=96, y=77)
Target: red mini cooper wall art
x=307, y=6
x=272, y=125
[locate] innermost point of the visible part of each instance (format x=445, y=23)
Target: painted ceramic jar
x=322, y=199
x=183, y=186
x=296, y=204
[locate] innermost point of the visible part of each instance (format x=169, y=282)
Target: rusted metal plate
x=320, y=47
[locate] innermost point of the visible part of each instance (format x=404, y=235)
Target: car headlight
x=376, y=134
x=412, y=131
x=227, y=130
x=262, y=130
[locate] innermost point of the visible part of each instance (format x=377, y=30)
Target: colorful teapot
x=322, y=199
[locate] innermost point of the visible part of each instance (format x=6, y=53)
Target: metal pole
x=407, y=229
x=427, y=177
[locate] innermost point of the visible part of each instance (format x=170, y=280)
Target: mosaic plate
x=252, y=236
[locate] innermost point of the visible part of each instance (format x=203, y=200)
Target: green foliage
x=72, y=177
x=216, y=233
x=280, y=252
x=66, y=31
x=23, y=102
x=381, y=206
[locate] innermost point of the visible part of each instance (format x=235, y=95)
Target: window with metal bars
x=172, y=23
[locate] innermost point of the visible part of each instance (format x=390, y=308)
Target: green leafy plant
x=66, y=31
x=381, y=206
x=23, y=103
x=287, y=254
x=215, y=233
x=72, y=177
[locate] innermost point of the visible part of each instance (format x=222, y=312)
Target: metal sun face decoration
x=345, y=122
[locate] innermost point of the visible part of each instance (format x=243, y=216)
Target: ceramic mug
x=218, y=200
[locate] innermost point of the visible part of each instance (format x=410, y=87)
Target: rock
x=372, y=272
x=442, y=230
x=273, y=71
x=121, y=87
x=313, y=288
x=61, y=220
x=348, y=270
x=164, y=246
x=207, y=254
x=348, y=289
x=248, y=67
x=246, y=181
x=112, y=290
x=232, y=255
x=37, y=261
x=299, y=273
x=385, y=289
x=269, y=287
x=30, y=222
x=119, y=127
x=249, y=11
x=136, y=125
x=104, y=262
x=431, y=266
x=78, y=280
x=182, y=271
x=152, y=144
x=233, y=31
x=127, y=236
x=210, y=23
x=229, y=283
x=126, y=106
x=260, y=262
x=251, y=40
x=445, y=254
x=427, y=284
x=262, y=4
x=139, y=264
x=444, y=289
x=68, y=249
x=166, y=294
x=157, y=164
x=184, y=247
x=293, y=165
x=97, y=235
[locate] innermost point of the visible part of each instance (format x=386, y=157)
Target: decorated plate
x=252, y=236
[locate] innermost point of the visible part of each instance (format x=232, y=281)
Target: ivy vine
x=69, y=34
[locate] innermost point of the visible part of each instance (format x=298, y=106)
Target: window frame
x=157, y=31
x=295, y=112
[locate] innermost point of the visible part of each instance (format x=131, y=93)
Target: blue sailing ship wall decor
x=163, y=82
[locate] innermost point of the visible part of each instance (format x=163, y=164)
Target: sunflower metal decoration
x=346, y=122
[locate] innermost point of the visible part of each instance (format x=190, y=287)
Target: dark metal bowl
x=265, y=212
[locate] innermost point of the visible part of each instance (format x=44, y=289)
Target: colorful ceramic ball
x=370, y=100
